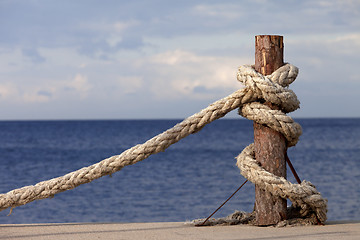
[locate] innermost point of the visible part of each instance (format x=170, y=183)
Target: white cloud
x=352, y=37
x=347, y=44
x=7, y=91
x=129, y=84
x=223, y=10
x=45, y=90
x=80, y=84
x=329, y=6
x=113, y=40
x=82, y=65
x=117, y=30
x=121, y=26
x=66, y=57
x=22, y=94
x=107, y=25
x=179, y=74
x=36, y=95
x=178, y=56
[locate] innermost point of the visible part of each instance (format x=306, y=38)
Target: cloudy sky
x=75, y=59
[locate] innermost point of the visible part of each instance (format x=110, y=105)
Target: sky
x=154, y=59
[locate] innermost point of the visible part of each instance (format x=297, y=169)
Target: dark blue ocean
x=187, y=181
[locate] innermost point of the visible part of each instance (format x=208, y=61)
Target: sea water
x=187, y=181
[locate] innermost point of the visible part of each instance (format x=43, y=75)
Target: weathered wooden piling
x=270, y=146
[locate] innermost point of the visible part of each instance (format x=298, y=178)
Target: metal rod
x=292, y=168
x=298, y=180
x=202, y=224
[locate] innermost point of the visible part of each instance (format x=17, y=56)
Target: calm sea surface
x=187, y=181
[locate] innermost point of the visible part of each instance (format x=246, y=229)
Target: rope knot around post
x=273, y=88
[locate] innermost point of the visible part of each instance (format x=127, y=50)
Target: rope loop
x=274, y=88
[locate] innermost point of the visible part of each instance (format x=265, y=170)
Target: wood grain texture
x=270, y=146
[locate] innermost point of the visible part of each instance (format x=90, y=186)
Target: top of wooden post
x=269, y=53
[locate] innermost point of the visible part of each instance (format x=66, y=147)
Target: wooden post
x=270, y=146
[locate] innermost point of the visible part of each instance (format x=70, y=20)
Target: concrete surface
x=175, y=230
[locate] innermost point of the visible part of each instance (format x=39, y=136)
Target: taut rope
x=272, y=88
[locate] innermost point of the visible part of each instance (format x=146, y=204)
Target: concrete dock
x=175, y=230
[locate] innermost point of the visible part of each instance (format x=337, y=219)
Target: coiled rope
x=272, y=88
x=303, y=195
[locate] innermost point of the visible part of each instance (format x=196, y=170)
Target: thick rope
x=193, y=124
x=302, y=195
x=272, y=88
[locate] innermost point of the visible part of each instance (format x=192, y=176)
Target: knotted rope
x=302, y=195
x=272, y=88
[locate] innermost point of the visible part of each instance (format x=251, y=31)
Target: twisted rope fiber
x=272, y=88
x=302, y=195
